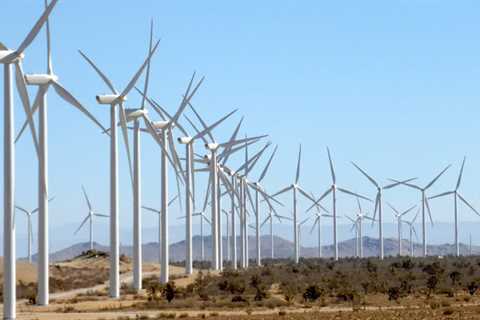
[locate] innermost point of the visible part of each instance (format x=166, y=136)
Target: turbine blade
x=468, y=204
x=407, y=211
x=211, y=127
x=377, y=205
x=353, y=194
x=429, y=211
x=202, y=122
x=397, y=182
x=281, y=191
x=99, y=72
x=81, y=225
x=49, y=53
x=461, y=173
x=68, y=97
x=22, y=90
x=389, y=186
x=36, y=28
x=366, y=175
x=264, y=172
x=441, y=195
x=123, y=125
x=147, y=73
x=436, y=178
x=86, y=198
x=314, y=224
x=226, y=151
x=101, y=215
x=297, y=176
x=332, y=170
x=151, y=209
x=172, y=200
x=137, y=75
x=22, y=209
x=326, y=193
x=393, y=208
x=186, y=99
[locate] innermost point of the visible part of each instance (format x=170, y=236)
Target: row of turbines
x=245, y=196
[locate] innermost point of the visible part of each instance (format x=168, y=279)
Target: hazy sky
x=392, y=85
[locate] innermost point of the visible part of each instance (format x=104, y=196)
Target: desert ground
x=324, y=289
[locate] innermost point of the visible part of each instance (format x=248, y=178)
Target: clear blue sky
x=392, y=85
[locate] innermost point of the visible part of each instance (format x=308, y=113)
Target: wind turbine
x=269, y=219
x=424, y=201
x=29, y=215
x=411, y=225
x=7, y=58
x=189, y=180
x=43, y=82
x=398, y=216
x=115, y=100
x=159, y=212
x=295, y=187
x=89, y=217
x=360, y=217
x=355, y=228
x=317, y=222
x=379, y=203
x=333, y=190
x=165, y=128
x=456, y=196
x=259, y=190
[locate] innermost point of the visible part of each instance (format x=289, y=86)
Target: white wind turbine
x=424, y=201
x=456, y=196
x=7, y=58
x=411, y=225
x=318, y=224
x=159, y=212
x=398, y=216
x=259, y=190
x=355, y=227
x=189, y=181
x=333, y=190
x=269, y=219
x=379, y=203
x=43, y=82
x=165, y=128
x=29, y=215
x=89, y=217
x=295, y=187
x=360, y=217
x=115, y=100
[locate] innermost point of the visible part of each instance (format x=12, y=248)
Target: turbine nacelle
x=6, y=53
x=40, y=79
x=160, y=124
x=109, y=98
x=184, y=140
x=211, y=146
x=133, y=114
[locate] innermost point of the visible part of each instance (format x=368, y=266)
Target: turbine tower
x=398, y=216
x=89, y=217
x=7, y=58
x=424, y=201
x=456, y=196
x=379, y=203
x=115, y=100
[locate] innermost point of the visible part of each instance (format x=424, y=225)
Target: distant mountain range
x=282, y=249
